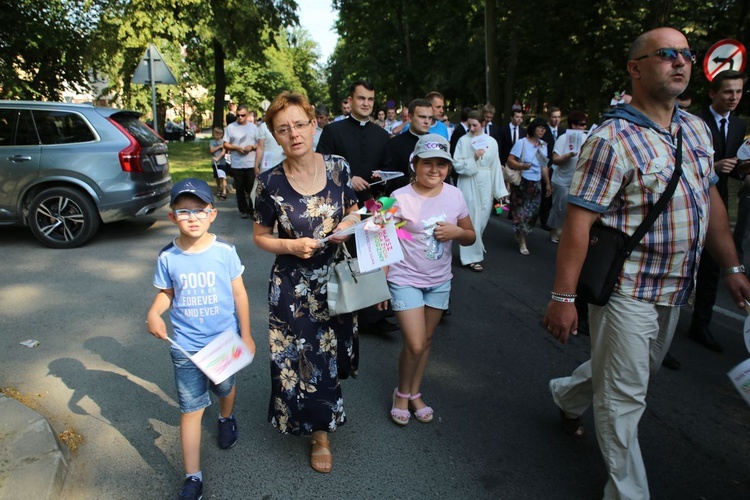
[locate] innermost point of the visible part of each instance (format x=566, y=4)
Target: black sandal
x=572, y=426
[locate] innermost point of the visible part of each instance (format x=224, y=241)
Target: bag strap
x=347, y=255
x=342, y=249
x=661, y=203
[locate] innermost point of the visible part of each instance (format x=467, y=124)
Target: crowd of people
x=303, y=178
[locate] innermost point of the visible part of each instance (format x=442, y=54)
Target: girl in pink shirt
x=435, y=215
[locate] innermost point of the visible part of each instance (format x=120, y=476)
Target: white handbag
x=350, y=290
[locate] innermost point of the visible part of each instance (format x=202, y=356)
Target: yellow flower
x=283, y=422
x=288, y=379
x=327, y=225
x=328, y=342
x=327, y=210
x=277, y=340
x=313, y=206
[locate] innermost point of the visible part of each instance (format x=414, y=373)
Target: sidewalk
x=32, y=464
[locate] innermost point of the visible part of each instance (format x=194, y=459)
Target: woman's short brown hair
x=286, y=100
x=476, y=114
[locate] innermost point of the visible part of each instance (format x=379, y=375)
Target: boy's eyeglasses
x=299, y=127
x=183, y=214
x=670, y=55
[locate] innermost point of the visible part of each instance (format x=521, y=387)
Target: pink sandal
x=425, y=414
x=399, y=416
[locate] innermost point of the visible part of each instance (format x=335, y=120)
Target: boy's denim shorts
x=193, y=385
x=408, y=297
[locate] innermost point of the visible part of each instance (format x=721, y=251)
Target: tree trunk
x=490, y=33
x=661, y=11
x=411, y=90
x=510, y=74
x=221, y=84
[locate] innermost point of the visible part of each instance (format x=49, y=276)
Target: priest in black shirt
x=356, y=138
x=363, y=144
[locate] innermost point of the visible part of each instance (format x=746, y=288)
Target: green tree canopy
x=42, y=46
x=546, y=52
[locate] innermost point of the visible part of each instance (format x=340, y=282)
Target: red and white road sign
x=725, y=54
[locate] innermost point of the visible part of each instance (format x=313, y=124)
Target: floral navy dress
x=310, y=351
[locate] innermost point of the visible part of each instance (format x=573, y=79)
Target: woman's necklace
x=312, y=184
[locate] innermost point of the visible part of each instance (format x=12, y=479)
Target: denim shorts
x=409, y=297
x=193, y=385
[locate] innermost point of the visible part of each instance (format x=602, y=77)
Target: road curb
x=32, y=464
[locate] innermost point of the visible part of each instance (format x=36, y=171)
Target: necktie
x=515, y=137
x=554, y=134
x=722, y=142
x=487, y=129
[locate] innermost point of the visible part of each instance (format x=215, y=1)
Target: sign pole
x=153, y=86
x=152, y=70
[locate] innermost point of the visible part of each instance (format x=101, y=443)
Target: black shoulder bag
x=609, y=247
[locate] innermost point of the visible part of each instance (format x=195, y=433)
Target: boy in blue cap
x=199, y=278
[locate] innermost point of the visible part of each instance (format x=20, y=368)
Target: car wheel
x=63, y=217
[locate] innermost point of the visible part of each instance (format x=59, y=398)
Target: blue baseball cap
x=196, y=187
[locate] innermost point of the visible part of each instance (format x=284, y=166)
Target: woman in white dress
x=480, y=179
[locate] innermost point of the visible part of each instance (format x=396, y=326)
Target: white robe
x=481, y=181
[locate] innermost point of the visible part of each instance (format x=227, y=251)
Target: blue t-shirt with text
x=203, y=304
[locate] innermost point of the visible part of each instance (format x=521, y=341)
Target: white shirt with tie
x=553, y=131
x=513, y=133
x=718, y=119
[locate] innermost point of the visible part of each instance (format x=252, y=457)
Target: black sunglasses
x=670, y=55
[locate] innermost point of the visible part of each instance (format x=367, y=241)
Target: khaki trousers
x=629, y=340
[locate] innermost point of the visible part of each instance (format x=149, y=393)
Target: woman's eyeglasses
x=299, y=127
x=670, y=55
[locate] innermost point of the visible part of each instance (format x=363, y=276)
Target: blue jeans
x=193, y=385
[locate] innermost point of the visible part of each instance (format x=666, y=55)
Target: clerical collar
x=361, y=123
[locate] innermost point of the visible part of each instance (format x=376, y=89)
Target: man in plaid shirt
x=623, y=168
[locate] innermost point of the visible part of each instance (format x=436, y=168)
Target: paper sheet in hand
x=386, y=176
x=575, y=139
x=479, y=142
x=744, y=152
x=377, y=248
x=343, y=232
x=222, y=357
x=740, y=376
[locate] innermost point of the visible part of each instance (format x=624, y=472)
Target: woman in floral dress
x=530, y=156
x=310, y=197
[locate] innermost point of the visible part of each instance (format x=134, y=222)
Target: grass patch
x=190, y=159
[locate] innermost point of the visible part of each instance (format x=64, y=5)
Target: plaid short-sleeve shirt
x=622, y=171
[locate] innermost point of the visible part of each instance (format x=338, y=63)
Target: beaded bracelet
x=567, y=298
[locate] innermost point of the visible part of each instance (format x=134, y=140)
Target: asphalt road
x=496, y=433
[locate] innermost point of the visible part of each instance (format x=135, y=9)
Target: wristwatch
x=726, y=271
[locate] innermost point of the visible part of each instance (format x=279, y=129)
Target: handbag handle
x=660, y=204
x=348, y=259
x=347, y=255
